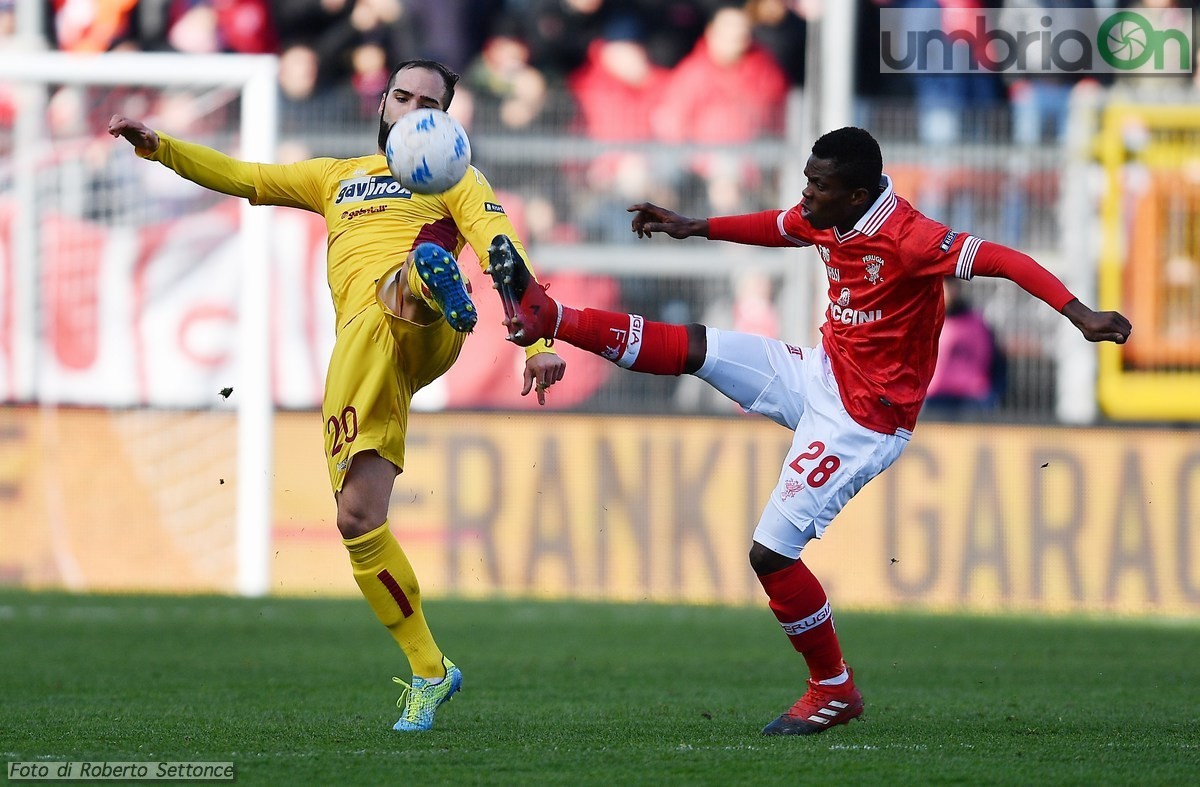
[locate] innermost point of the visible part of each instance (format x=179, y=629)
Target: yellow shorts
x=379, y=361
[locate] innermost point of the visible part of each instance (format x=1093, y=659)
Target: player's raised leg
x=434, y=273
x=628, y=340
x=529, y=312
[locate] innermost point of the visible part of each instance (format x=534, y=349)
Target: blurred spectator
x=206, y=26
x=90, y=25
x=305, y=20
x=559, y=32
x=616, y=91
x=305, y=103
x=618, y=87
x=8, y=99
x=672, y=26
x=949, y=105
x=748, y=306
x=370, y=69
x=452, y=31
x=754, y=304
x=783, y=31
x=1040, y=102
x=729, y=90
x=510, y=93
x=970, y=374
x=336, y=30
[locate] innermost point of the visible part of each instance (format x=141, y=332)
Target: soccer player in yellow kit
x=403, y=312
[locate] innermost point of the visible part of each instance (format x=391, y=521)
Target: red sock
x=800, y=604
x=627, y=340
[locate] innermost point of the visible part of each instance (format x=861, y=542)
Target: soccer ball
x=427, y=151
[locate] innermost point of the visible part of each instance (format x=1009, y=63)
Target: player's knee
x=354, y=522
x=767, y=561
x=697, y=348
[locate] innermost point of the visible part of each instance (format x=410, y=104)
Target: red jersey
x=886, y=306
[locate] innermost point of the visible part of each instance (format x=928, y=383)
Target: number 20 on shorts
x=344, y=429
x=814, y=465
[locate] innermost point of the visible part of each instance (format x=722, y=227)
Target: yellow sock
x=390, y=586
x=418, y=288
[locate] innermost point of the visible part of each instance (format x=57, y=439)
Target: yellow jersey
x=373, y=222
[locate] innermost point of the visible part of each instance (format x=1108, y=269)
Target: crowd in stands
x=652, y=69
x=684, y=74
x=706, y=80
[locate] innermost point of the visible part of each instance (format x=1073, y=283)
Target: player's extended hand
x=1098, y=326
x=542, y=371
x=137, y=133
x=649, y=219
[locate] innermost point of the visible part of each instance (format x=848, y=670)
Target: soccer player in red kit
x=852, y=401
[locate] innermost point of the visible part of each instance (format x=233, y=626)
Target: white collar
x=874, y=218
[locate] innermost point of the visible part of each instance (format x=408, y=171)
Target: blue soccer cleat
x=421, y=699
x=447, y=286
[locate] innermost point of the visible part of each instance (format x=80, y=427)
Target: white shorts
x=831, y=457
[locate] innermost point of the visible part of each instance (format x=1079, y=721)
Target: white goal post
x=254, y=78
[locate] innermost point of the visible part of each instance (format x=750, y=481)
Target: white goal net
x=130, y=300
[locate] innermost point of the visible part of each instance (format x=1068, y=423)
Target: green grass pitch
x=299, y=692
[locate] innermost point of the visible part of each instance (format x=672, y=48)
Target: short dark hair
x=448, y=77
x=855, y=154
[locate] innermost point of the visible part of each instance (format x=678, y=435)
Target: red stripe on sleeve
x=752, y=229
x=995, y=260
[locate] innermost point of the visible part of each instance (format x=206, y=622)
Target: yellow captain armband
x=538, y=347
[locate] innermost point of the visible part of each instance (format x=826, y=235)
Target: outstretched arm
x=197, y=163
x=649, y=219
x=753, y=229
x=992, y=259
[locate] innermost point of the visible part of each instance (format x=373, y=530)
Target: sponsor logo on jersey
x=948, y=241
x=833, y=273
x=493, y=207
x=824, y=252
x=874, y=266
x=348, y=215
x=841, y=311
x=374, y=187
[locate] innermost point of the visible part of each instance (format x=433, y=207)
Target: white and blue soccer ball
x=427, y=151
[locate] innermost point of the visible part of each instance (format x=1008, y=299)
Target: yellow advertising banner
x=975, y=517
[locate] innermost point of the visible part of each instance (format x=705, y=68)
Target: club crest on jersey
x=874, y=265
x=373, y=187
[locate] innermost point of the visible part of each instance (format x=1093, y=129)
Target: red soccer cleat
x=529, y=312
x=820, y=708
